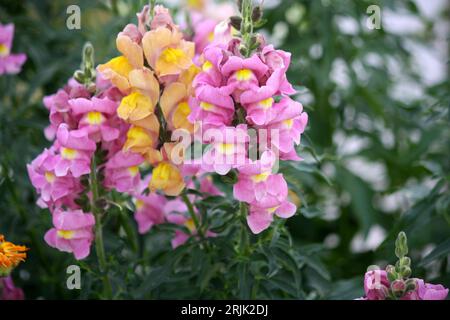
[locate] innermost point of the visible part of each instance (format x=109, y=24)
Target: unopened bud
x=405, y=261
x=79, y=76
x=257, y=14
x=235, y=22
x=391, y=273
x=398, y=288
x=401, y=245
x=411, y=284
x=405, y=271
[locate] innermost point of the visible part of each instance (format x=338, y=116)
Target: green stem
x=191, y=212
x=99, y=246
x=244, y=244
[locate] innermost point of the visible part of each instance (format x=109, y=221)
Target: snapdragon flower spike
x=122, y=171
x=228, y=149
x=53, y=189
x=72, y=232
x=9, y=63
x=75, y=151
x=95, y=117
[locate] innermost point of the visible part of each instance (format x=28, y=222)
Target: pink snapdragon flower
x=256, y=181
x=228, y=149
x=52, y=188
x=95, y=117
x=289, y=122
x=75, y=151
x=175, y=213
x=149, y=211
x=9, y=291
x=72, y=232
x=260, y=217
x=9, y=63
x=122, y=171
x=243, y=74
x=59, y=108
x=211, y=108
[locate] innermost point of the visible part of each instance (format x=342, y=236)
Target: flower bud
x=405, y=271
x=236, y=22
x=79, y=76
x=391, y=273
x=398, y=288
x=401, y=245
x=257, y=14
x=405, y=261
x=411, y=284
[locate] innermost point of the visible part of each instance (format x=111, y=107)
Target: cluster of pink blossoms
x=80, y=124
x=377, y=285
x=257, y=86
x=9, y=63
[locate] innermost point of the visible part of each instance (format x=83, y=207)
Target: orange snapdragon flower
x=10, y=255
x=166, y=51
x=167, y=178
x=174, y=101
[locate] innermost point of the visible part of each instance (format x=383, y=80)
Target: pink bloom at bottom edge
x=428, y=291
x=10, y=291
x=72, y=232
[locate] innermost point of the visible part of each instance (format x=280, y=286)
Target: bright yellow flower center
x=261, y=177
x=139, y=204
x=95, y=118
x=120, y=65
x=183, y=108
x=171, y=55
x=244, y=75
x=206, y=106
x=207, y=66
x=137, y=133
x=273, y=209
x=225, y=148
x=288, y=123
x=65, y=234
x=211, y=37
x=135, y=103
x=266, y=104
x=49, y=176
x=4, y=50
x=68, y=153
x=190, y=225
x=133, y=171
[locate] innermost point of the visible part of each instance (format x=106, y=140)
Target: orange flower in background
x=10, y=255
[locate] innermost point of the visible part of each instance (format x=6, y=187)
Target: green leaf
x=440, y=251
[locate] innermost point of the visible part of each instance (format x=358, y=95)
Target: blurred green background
x=377, y=147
